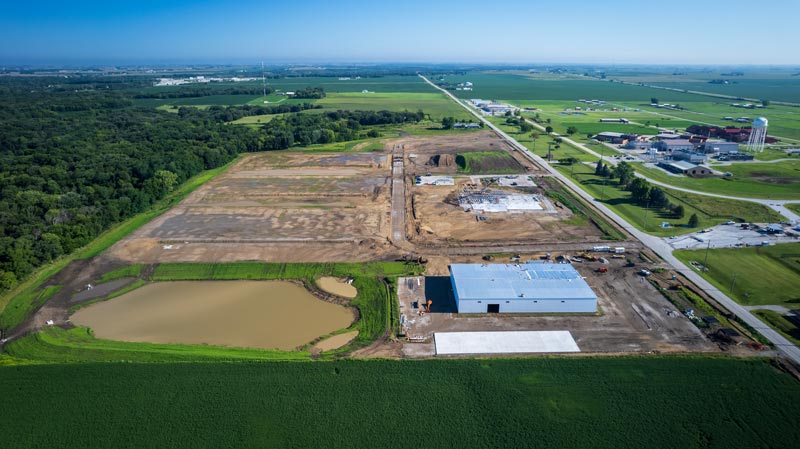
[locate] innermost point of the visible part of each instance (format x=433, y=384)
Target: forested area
x=75, y=161
x=314, y=93
x=203, y=91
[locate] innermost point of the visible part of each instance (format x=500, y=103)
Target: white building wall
x=529, y=305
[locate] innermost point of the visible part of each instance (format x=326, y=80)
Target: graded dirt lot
x=633, y=316
x=436, y=219
x=278, y=206
x=437, y=155
x=439, y=219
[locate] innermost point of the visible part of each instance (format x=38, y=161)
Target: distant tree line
x=202, y=91
x=231, y=113
x=312, y=93
x=335, y=126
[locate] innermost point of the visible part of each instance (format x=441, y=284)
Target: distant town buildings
x=492, y=107
x=198, y=80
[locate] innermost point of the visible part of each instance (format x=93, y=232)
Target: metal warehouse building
x=521, y=288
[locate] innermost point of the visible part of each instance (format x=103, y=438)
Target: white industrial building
x=533, y=287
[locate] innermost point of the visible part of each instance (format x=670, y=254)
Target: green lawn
x=763, y=275
x=794, y=207
x=779, y=322
x=780, y=180
x=664, y=402
x=710, y=211
x=539, y=146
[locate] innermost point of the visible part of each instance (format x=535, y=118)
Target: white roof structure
x=507, y=342
x=532, y=280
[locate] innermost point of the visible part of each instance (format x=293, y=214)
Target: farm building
x=685, y=168
x=534, y=287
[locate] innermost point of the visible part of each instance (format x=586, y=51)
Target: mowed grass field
x=780, y=323
x=710, y=211
x=764, y=275
x=668, y=402
x=539, y=145
x=777, y=180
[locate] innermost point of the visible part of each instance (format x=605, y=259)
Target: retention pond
x=251, y=314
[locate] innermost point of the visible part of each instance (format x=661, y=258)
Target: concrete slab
x=510, y=342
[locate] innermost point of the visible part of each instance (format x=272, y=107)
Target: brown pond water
x=251, y=314
x=337, y=287
x=337, y=341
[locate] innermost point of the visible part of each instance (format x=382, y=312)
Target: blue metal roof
x=532, y=280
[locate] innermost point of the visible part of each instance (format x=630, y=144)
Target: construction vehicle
x=428, y=309
x=602, y=270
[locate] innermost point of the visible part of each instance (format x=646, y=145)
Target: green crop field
x=759, y=276
x=437, y=105
x=511, y=87
x=382, y=84
x=779, y=180
x=787, y=89
x=666, y=402
x=710, y=211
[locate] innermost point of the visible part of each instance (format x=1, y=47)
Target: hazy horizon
x=351, y=31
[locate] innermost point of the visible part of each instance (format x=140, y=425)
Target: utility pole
x=733, y=282
x=644, y=223
x=705, y=261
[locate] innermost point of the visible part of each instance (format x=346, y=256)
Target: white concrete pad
x=504, y=342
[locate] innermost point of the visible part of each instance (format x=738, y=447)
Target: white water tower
x=755, y=144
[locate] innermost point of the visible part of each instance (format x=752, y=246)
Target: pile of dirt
x=442, y=160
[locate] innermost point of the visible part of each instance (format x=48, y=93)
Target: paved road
x=398, y=196
x=654, y=243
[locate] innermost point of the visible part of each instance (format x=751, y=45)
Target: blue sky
x=513, y=31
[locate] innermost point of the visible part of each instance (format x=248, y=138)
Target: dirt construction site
x=278, y=206
x=300, y=206
x=424, y=197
